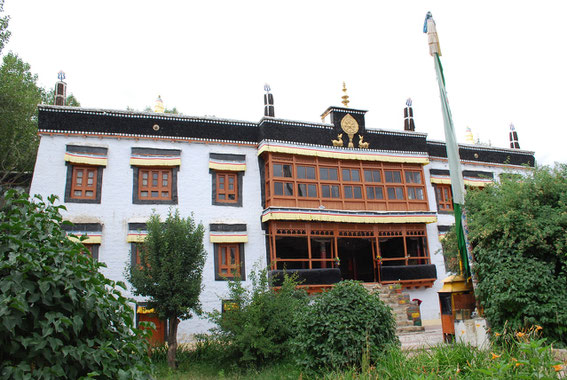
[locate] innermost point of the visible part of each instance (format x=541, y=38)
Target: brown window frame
x=225, y=176
x=150, y=188
x=71, y=186
x=92, y=250
x=86, y=173
x=139, y=187
x=232, y=271
x=444, y=197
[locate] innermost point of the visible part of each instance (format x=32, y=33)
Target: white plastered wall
x=116, y=210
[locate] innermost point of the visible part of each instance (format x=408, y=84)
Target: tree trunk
x=172, y=342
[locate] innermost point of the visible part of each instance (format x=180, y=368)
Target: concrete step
x=409, y=329
x=406, y=323
x=399, y=303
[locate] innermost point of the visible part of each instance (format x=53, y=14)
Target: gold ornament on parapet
x=362, y=144
x=350, y=126
x=338, y=142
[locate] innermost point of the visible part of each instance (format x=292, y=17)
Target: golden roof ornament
x=469, y=138
x=350, y=126
x=159, y=107
x=345, y=96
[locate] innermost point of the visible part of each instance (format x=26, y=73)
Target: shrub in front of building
x=343, y=328
x=60, y=317
x=256, y=325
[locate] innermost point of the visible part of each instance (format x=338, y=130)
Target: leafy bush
x=517, y=230
x=61, y=318
x=259, y=328
x=341, y=327
x=451, y=251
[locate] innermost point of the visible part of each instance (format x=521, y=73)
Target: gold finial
x=345, y=96
x=469, y=139
x=159, y=107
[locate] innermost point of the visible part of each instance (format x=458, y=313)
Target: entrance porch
x=379, y=253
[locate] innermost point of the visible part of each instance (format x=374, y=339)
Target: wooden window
x=84, y=182
x=372, y=175
x=227, y=187
x=351, y=175
x=328, y=174
x=444, y=197
x=395, y=193
x=393, y=176
x=297, y=181
x=374, y=192
x=330, y=191
x=282, y=170
x=413, y=177
x=351, y=192
x=135, y=254
x=415, y=193
x=228, y=260
x=307, y=190
x=155, y=184
x=305, y=172
x=92, y=250
x=283, y=188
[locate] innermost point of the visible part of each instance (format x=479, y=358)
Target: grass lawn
x=445, y=361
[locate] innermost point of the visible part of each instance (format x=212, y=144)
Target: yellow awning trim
x=236, y=167
x=441, y=181
x=229, y=238
x=467, y=182
x=313, y=152
x=477, y=183
x=136, y=238
x=135, y=161
x=347, y=218
x=143, y=310
x=97, y=239
x=85, y=159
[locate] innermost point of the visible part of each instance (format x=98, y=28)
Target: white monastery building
x=330, y=201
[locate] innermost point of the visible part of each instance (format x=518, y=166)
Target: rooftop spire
x=514, y=143
x=469, y=138
x=345, y=96
x=60, y=89
x=409, y=124
x=159, y=107
x=268, y=102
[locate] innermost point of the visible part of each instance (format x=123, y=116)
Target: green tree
x=60, y=317
x=517, y=230
x=4, y=32
x=170, y=271
x=19, y=97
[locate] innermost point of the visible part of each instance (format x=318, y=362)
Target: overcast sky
x=504, y=61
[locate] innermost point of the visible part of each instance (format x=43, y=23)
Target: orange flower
x=494, y=356
x=514, y=359
x=520, y=334
x=519, y=364
x=497, y=334
x=557, y=367
x=538, y=327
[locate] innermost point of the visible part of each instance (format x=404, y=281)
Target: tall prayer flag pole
x=457, y=183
